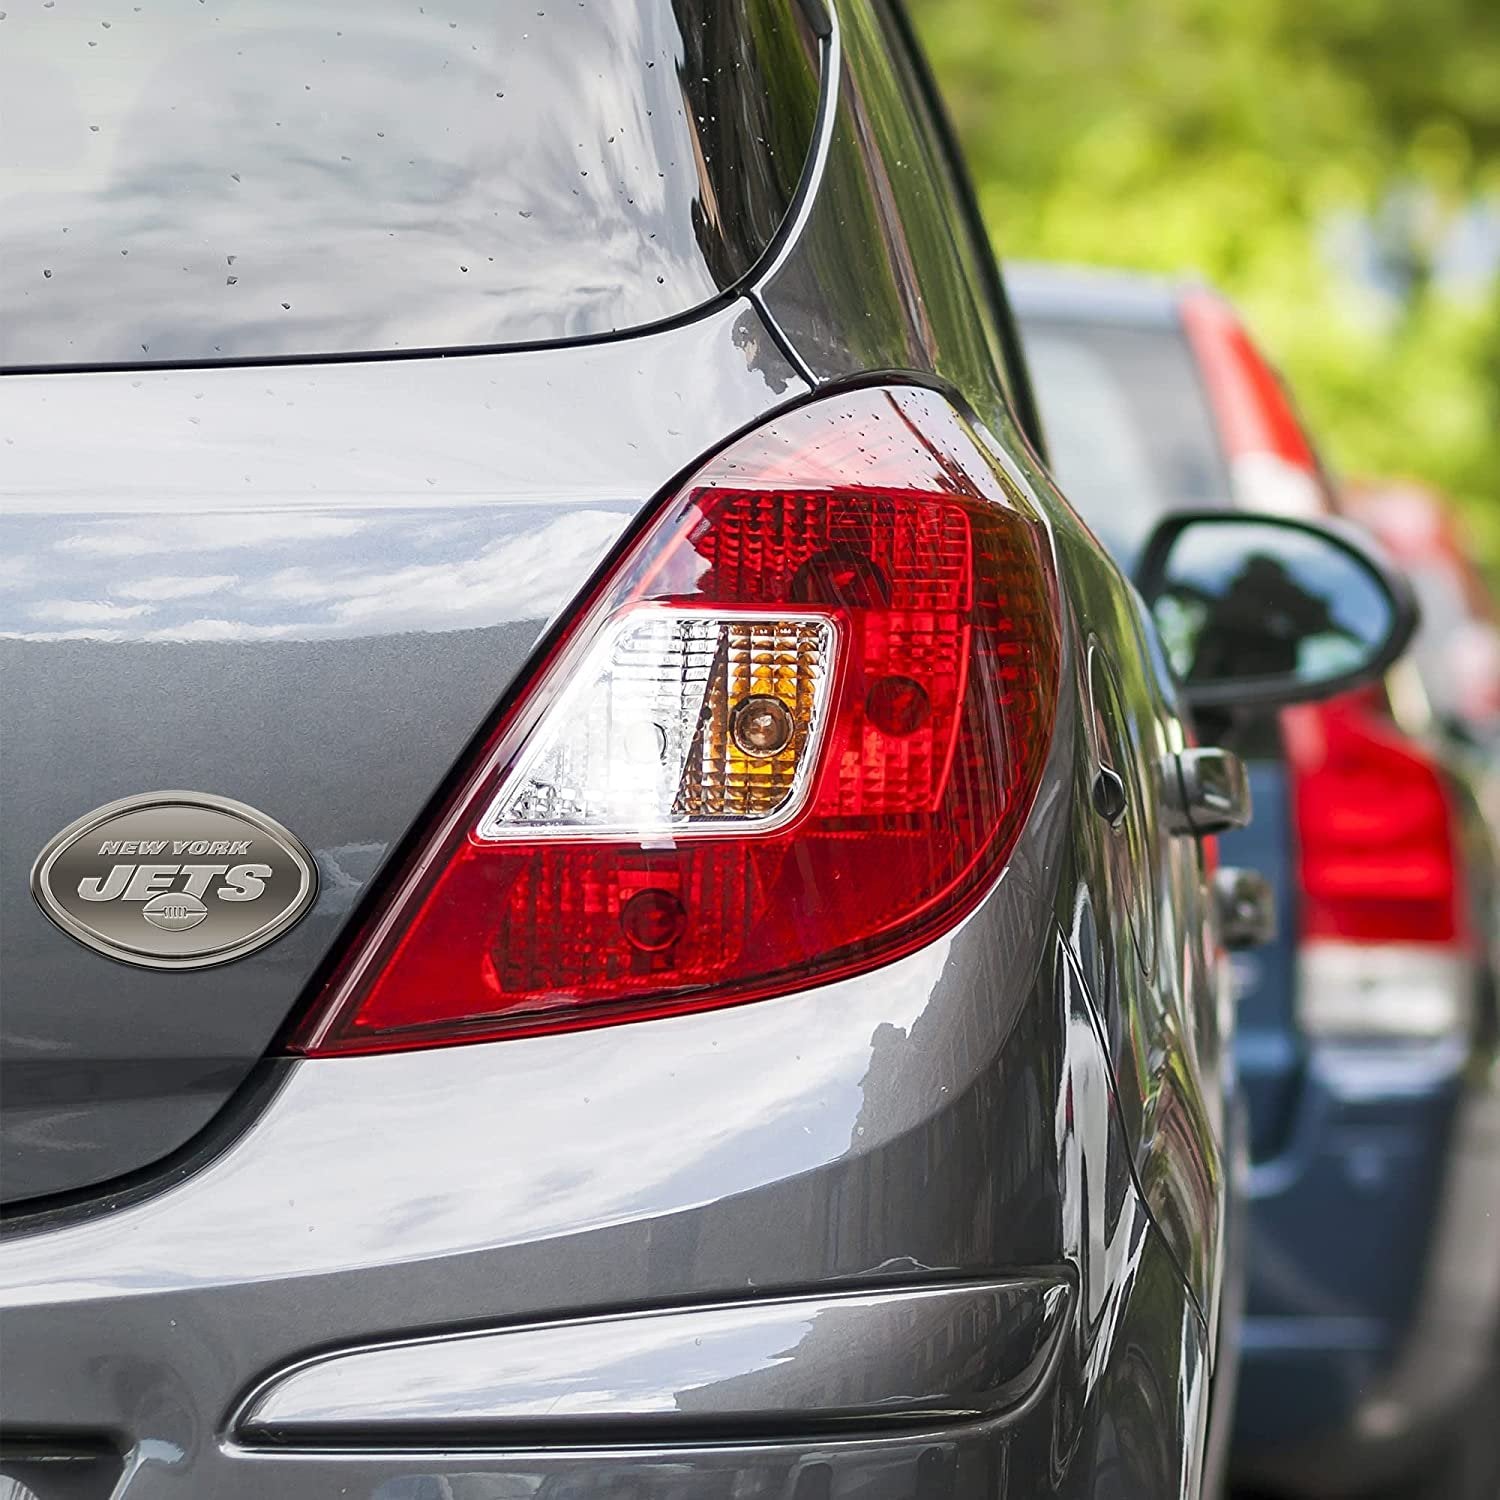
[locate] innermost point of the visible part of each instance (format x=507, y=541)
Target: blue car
x=1366, y=1031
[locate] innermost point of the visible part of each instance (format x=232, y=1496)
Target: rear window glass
x=206, y=179
x=1128, y=426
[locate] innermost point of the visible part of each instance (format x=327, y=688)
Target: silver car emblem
x=175, y=880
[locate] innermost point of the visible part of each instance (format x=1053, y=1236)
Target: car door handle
x=1247, y=908
x=1205, y=790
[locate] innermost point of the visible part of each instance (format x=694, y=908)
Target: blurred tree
x=1313, y=158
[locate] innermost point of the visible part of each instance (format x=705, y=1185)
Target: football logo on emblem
x=174, y=913
x=175, y=880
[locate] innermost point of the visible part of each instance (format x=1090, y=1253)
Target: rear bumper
x=896, y=1391
x=850, y=1243
x=1374, y=1304
x=973, y=1463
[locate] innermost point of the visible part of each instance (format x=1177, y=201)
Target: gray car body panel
x=1024, y=1097
x=305, y=589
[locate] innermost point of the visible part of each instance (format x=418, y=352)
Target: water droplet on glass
x=230, y=280
x=287, y=306
x=46, y=273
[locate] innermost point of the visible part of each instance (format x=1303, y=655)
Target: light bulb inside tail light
x=793, y=734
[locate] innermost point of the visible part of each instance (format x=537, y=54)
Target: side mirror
x=1260, y=611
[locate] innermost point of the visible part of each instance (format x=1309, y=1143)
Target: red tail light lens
x=793, y=735
x=1379, y=860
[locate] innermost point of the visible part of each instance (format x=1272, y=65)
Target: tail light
x=1383, y=952
x=792, y=735
x=1272, y=464
x=1385, y=945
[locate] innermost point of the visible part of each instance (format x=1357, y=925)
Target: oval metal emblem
x=175, y=880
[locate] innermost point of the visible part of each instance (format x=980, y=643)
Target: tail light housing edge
x=794, y=735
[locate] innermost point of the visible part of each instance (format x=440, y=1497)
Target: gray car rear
x=901, y=1234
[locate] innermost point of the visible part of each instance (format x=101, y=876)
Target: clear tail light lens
x=793, y=734
x=1391, y=992
x=679, y=722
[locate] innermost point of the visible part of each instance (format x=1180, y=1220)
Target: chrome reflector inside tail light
x=793, y=734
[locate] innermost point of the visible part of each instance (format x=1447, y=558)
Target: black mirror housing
x=1260, y=611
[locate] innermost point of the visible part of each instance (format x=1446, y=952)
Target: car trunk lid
x=302, y=588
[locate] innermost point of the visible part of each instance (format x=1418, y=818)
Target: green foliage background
x=1223, y=137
